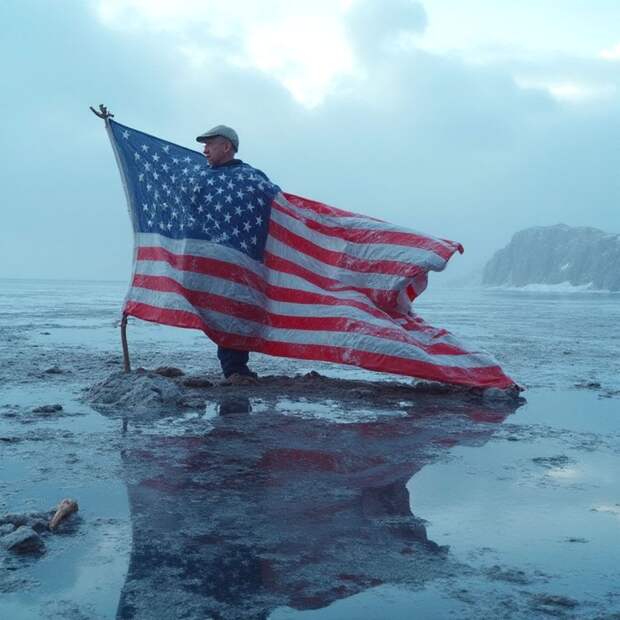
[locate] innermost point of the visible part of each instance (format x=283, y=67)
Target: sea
x=470, y=511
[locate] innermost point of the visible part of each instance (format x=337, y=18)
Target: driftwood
x=65, y=508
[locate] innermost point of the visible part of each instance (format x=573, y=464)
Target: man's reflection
x=256, y=510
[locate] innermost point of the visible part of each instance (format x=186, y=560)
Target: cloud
x=570, y=91
x=611, y=53
x=303, y=46
x=422, y=139
x=375, y=25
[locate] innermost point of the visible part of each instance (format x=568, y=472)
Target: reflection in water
x=255, y=511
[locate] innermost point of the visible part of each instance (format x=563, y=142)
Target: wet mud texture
x=253, y=507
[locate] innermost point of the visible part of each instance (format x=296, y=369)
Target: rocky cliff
x=557, y=254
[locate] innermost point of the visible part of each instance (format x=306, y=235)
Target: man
x=220, y=146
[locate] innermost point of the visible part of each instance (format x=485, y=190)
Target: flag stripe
x=340, y=259
x=369, y=236
x=478, y=377
x=287, y=316
x=221, y=319
x=205, y=272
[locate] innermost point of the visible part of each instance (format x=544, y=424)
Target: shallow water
x=303, y=507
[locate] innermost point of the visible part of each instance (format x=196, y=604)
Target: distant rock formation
x=556, y=255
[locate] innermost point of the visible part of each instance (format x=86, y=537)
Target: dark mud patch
x=554, y=462
x=170, y=387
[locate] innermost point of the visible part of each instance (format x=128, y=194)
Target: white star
x=220, y=190
x=174, y=214
x=210, y=181
x=125, y=134
x=250, y=206
x=254, y=240
x=261, y=202
x=155, y=157
x=155, y=176
x=175, y=160
x=201, y=209
x=145, y=148
x=235, y=231
x=185, y=171
x=150, y=222
x=145, y=207
x=259, y=220
x=136, y=156
x=244, y=245
x=187, y=159
x=161, y=225
x=250, y=188
x=196, y=167
x=141, y=176
x=222, y=177
x=165, y=167
x=166, y=148
x=238, y=210
x=239, y=194
x=173, y=178
x=225, y=236
x=230, y=185
x=228, y=199
x=209, y=197
x=227, y=218
x=148, y=187
x=218, y=207
x=247, y=226
x=169, y=225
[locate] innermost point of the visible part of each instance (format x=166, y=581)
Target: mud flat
x=321, y=492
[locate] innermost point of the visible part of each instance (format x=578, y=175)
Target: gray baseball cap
x=221, y=130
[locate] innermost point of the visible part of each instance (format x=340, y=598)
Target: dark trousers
x=233, y=361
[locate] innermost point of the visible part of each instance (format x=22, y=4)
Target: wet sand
x=339, y=495
x=311, y=497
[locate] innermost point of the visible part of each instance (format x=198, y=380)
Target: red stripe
x=375, y=236
x=240, y=275
x=479, y=377
x=251, y=312
x=322, y=208
x=339, y=259
x=229, y=271
x=383, y=299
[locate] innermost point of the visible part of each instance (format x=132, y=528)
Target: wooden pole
x=126, y=363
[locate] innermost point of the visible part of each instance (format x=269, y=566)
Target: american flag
x=225, y=251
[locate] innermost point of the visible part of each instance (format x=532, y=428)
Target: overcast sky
x=466, y=119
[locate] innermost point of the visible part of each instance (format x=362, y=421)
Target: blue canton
x=174, y=192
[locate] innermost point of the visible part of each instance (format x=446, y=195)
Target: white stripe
x=356, y=221
x=209, y=250
x=202, y=283
x=243, y=327
x=371, y=252
x=376, y=281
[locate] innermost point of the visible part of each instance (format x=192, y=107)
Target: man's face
x=218, y=150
